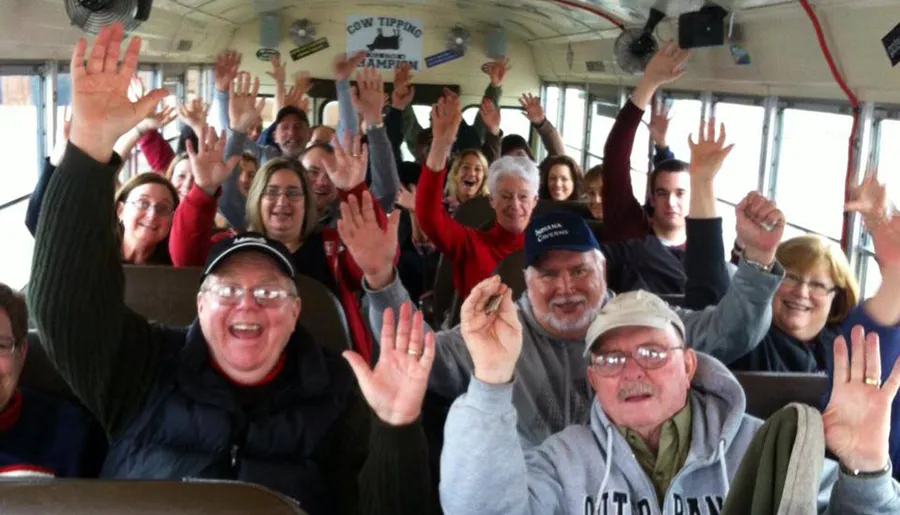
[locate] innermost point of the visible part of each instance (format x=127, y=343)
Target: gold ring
x=412, y=352
x=872, y=382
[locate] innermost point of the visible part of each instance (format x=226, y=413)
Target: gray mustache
x=632, y=389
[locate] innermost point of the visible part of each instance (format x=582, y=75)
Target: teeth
x=246, y=327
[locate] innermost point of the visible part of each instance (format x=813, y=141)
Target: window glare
x=740, y=172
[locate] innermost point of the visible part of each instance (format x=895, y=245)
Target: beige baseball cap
x=633, y=309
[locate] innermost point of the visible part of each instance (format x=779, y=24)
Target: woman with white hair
x=513, y=186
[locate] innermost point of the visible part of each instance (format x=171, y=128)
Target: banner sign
x=387, y=41
x=440, y=58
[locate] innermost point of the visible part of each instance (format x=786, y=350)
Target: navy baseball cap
x=288, y=111
x=250, y=242
x=560, y=230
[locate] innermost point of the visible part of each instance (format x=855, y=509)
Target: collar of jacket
x=305, y=373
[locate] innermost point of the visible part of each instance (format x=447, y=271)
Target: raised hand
x=101, y=110
x=490, y=115
x=372, y=247
x=708, y=154
x=857, y=420
x=533, y=110
x=396, y=387
x=870, y=199
x=279, y=71
x=497, y=70
x=348, y=171
x=403, y=91
x=667, y=65
x=344, y=65
x=158, y=120
x=760, y=227
x=208, y=166
x=406, y=198
x=368, y=95
x=227, y=65
x=659, y=124
x=296, y=96
x=244, y=109
x=494, y=338
x=193, y=114
x=446, y=116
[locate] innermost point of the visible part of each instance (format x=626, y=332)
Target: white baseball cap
x=633, y=309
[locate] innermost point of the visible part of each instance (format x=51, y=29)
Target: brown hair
x=146, y=178
x=258, y=187
x=594, y=174
x=17, y=311
x=170, y=171
x=803, y=253
x=452, y=186
x=247, y=157
x=574, y=169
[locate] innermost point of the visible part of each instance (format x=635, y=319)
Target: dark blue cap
x=560, y=230
x=250, y=242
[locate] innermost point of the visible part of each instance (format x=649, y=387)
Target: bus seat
x=168, y=295
x=512, y=272
x=768, y=392
x=108, y=497
x=443, y=296
x=475, y=212
x=39, y=373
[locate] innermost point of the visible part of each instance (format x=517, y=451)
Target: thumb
x=145, y=105
x=393, y=222
x=360, y=369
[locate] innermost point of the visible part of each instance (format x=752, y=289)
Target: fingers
x=367, y=211
x=857, y=354
x=428, y=352
x=130, y=61
x=111, y=62
x=189, y=145
x=710, y=129
x=388, y=330
x=393, y=223
x=76, y=65
x=416, y=334
x=892, y=384
x=144, y=106
x=360, y=369
x=873, y=358
x=474, y=303
x=722, y=135
x=841, y=367
x=404, y=328
x=98, y=52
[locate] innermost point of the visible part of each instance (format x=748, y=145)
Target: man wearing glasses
x=667, y=428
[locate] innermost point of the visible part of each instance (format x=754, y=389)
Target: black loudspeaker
x=143, y=10
x=702, y=28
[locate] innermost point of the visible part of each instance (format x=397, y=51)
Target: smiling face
x=146, y=214
x=324, y=191
x=282, y=207
x=470, y=177
x=560, y=182
x=636, y=398
x=565, y=289
x=246, y=339
x=248, y=171
x=803, y=302
x=12, y=353
x=513, y=201
x=182, y=178
x=291, y=135
x=595, y=198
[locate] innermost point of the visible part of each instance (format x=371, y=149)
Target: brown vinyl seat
x=110, y=497
x=768, y=392
x=512, y=272
x=168, y=295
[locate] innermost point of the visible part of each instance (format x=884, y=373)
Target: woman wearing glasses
x=280, y=205
x=144, y=208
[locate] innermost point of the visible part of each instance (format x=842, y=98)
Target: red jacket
x=191, y=239
x=474, y=253
x=624, y=218
x=157, y=151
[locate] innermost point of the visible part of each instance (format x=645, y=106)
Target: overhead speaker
x=269, y=30
x=495, y=42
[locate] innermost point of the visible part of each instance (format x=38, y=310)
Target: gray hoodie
x=551, y=390
x=591, y=470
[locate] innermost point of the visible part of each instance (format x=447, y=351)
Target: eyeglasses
x=144, y=205
x=265, y=296
x=816, y=288
x=292, y=193
x=7, y=346
x=647, y=356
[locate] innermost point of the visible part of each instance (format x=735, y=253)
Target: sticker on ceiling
x=387, y=41
x=266, y=54
x=891, y=44
x=570, y=56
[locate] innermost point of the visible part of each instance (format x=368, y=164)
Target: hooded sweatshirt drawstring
x=607, y=470
x=723, y=465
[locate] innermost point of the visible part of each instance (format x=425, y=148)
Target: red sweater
x=157, y=151
x=474, y=253
x=624, y=218
x=191, y=239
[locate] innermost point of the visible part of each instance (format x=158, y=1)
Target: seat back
x=475, y=212
x=768, y=392
x=545, y=206
x=444, y=296
x=40, y=374
x=512, y=272
x=102, y=497
x=168, y=295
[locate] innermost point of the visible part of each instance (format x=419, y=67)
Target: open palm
x=396, y=387
x=372, y=247
x=209, y=168
x=348, y=169
x=709, y=153
x=101, y=109
x=494, y=339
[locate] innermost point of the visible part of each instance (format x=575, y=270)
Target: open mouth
x=640, y=397
x=245, y=331
x=793, y=306
x=568, y=307
x=470, y=183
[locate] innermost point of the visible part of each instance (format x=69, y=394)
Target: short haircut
x=803, y=253
x=324, y=146
x=667, y=166
x=247, y=157
x=258, y=187
x=453, y=177
x=574, y=168
x=513, y=166
x=17, y=311
x=594, y=174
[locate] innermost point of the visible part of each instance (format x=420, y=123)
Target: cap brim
x=627, y=319
x=283, y=262
x=574, y=247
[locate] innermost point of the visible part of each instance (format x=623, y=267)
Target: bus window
x=20, y=96
x=685, y=115
x=512, y=120
x=812, y=166
x=600, y=127
x=551, y=104
x=872, y=278
x=18, y=244
x=573, y=122
x=740, y=172
x=889, y=157
x=640, y=158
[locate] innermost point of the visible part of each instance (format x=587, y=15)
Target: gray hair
x=513, y=166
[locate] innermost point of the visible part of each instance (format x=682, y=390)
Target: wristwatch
x=865, y=475
x=756, y=264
